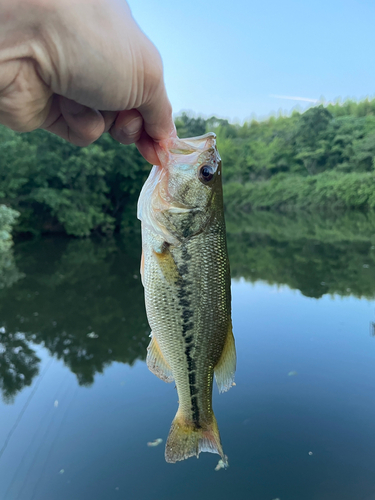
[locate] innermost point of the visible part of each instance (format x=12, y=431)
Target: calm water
x=79, y=405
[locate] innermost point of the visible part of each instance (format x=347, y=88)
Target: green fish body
x=186, y=277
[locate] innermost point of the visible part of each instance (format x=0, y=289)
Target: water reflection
x=312, y=254
x=9, y=273
x=83, y=300
x=18, y=364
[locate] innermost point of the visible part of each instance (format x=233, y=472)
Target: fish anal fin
x=156, y=362
x=226, y=366
x=186, y=440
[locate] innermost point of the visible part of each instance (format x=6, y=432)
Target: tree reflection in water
x=83, y=299
x=311, y=253
x=9, y=273
x=18, y=364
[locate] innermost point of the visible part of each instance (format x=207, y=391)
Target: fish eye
x=206, y=173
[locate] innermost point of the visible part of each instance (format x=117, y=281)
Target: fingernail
x=73, y=107
x=133, y=127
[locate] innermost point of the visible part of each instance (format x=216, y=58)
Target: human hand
x=79, y=68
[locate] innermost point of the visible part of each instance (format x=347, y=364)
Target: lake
x=78, y=404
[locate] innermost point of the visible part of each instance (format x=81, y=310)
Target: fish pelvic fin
x=156, y=362
x=186, y=440
x=226, y=366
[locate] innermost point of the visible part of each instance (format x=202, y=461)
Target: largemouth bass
x=186, y=277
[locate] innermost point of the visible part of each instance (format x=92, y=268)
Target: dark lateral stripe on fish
x=183, y=269
x=190, y=361
x=186, y=225
x=186, y=328
x=195, y=410
x=193, y=390
x=187, y=313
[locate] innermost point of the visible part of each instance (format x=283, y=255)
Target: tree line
x=322, y=159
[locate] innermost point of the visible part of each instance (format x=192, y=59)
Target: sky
x=243, y=59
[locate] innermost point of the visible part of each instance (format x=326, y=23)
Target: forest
x=320, y=160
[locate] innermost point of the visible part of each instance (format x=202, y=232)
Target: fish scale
x=185, y=273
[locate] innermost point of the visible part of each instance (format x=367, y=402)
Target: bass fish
x=186, y=277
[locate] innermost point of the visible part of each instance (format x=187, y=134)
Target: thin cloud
x=293, y=98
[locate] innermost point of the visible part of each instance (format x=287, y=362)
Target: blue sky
x=231, y=58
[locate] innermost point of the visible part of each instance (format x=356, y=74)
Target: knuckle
x=85, y=135
x=168, y=109
x=79, y=141
x=18, y=122
x=24, y=99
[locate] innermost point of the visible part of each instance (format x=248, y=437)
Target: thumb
x=157, y=115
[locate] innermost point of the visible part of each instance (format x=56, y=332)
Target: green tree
x=311, y=143
x=188, y=126
x=58, y=187
x=7, y=220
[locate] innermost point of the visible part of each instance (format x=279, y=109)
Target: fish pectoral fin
x=166, y=264
x=156, y=362
x=226, y=366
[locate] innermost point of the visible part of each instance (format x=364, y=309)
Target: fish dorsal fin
x=226, y=366
x=156, y=362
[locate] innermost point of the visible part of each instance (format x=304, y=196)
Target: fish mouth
x=154, y=198
x=194, y=146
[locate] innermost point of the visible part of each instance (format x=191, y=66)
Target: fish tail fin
x=186, y=440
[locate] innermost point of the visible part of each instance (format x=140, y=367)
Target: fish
x=186, y=277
